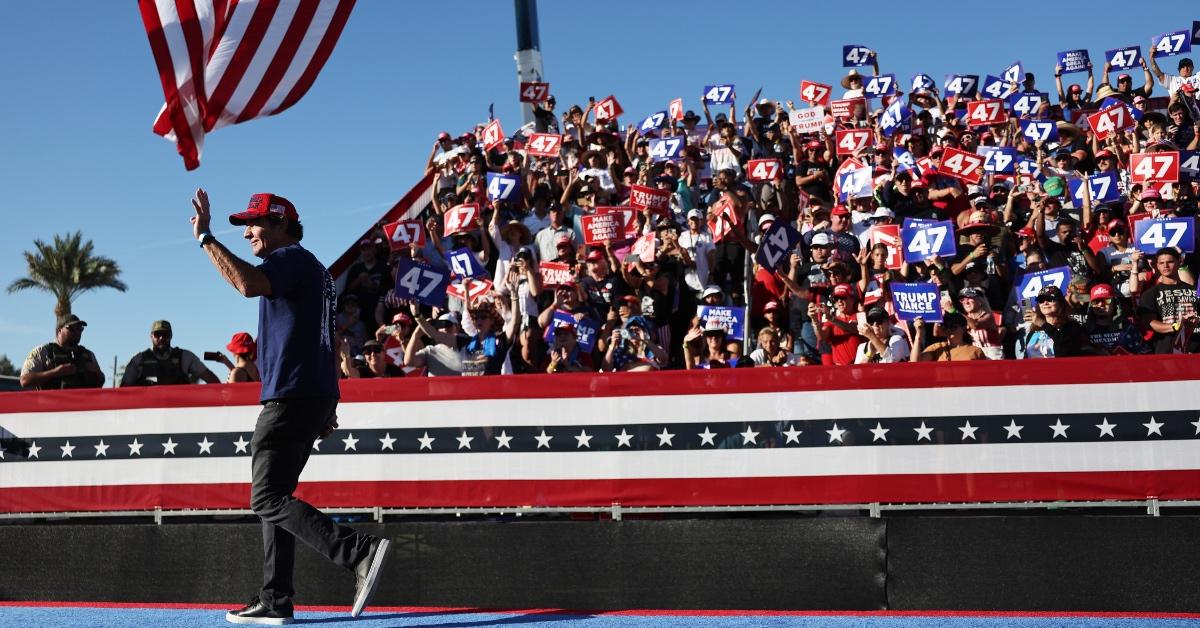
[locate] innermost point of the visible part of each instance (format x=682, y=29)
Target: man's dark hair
x=1067, y=220
x=1185, y=63
x=294, y=228
x=1166, y=251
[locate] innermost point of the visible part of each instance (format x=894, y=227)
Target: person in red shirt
x=840, y=328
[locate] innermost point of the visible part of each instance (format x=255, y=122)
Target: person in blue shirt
x=299, y=397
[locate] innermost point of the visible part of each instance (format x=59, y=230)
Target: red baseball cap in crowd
x=1151, y=193
x=813, y=144
x=919, y=184
x=1101, y=291
x=563, y=239
x=1105, y=153
x=840, y=210
x=401, y=318
x=242, y=342
x=1026, y=232
x=843, y=290
x=443, y=136
x=771, y=306
x=595, y=255
x=262, y=205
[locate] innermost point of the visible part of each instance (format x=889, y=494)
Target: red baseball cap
x=840, y=210
x=401, y=317
x=595, y=255
x=262, y=205
x=843, y=290
x=1104, y=153
x=919, y=184
x=771, y=305
x=1101, y=291
x=1026, y=232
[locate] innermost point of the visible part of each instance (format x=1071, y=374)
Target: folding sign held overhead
x=535, y=92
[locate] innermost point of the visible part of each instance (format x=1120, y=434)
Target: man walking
x=299, y=397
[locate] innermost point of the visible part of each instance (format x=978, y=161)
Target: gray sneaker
x=366, y=575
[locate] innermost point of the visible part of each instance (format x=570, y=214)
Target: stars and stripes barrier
x=1067, y=429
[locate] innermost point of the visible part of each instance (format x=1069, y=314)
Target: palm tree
x=67, y=269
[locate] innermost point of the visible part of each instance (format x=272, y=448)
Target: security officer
x=164, y=364
x=63, y=363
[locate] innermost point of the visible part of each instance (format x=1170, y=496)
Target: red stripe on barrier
x=752, y=491
x=928, y=375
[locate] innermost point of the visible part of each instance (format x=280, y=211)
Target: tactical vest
x=80, y=379
x=168, y=370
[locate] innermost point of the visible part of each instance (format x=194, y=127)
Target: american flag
x=1066, y=429
x=223, y=62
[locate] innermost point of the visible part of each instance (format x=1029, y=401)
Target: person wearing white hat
x=698, y=243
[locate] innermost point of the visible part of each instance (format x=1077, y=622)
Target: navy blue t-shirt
x=295, y=327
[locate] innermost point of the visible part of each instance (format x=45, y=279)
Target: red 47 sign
x=493, y=135
x=543, y=145
x=889, y=236
x=1145, y=167
x=722, y=221
x=815, y=93
x=961, y=165
x=474, y=288
x=461, y=218
x=404, y=233
x=675, y=109
x=986, y=112
x=763, y=169
x=535, y=92
x=850, y=141
x=1106, y=122
x=608, y=109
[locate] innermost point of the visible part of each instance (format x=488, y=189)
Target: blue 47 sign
x=894, y=117
x=999, y=160
x=878, y=86
x=1026, y=104
x=1039, y=130
x=1104, y=188
x=1171, y=44
x=854, y=55
x=718, y=94
x=923, y=241
x=1159, y=233
x=1032, y=283
x=500, y=187
x=1124, y=58
x=1189, y=164
x=779, y=240
x=463, y=263
x=996, y=87
x=667, y=148
x=422, y=282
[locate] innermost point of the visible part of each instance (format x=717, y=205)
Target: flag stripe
x=174, y=108
x=340, y=15
x=268, y=47
x=319, y=26
x=285, y=57
x=256, y=20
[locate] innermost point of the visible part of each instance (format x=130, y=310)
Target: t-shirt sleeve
x=37, y=361
x=192, y=365
x=281, y=273
x=1148, y=305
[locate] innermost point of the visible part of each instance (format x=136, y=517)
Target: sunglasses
x=372, y=350
x=1042, y=300
x=162, y=334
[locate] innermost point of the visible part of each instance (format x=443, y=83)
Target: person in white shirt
x=699, y=245
x=1173, y=82
x=885, y=343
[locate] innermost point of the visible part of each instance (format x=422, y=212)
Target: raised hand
x=203, y=217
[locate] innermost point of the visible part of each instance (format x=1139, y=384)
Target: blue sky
x=81, y=92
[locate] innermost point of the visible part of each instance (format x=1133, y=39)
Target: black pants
x=282, y=441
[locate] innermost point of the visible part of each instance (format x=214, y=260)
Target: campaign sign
x=996, y=87
x=501, y=187
x=1196, y=32
x=460, y=218
x=653, y=121
x=667, y=148
x=1144, y=167
x=608, y=109
x=808, y=120
x=555, y=273
x=889, y=236
x=1039, y=130
x=601, y=228
x=880, y=86
x=1171, y=44
x=815, y=93
x=1026, y=104
x=719, y=94
x=1157, y=233
x=404, y=233
x=776, y=244
x=759, y=170
x=732, y=318
x=998, y=160
x=844, y=109
x=904, y=160
x=420, y=281
x=915, y=300
x=1032, y=283
x=909, y=223
x=1124, y=58
x=1107, y=122
x=585, y=330
x=893, y=118
x=535, y=92
x=986, y=112
x=961, y=165
x=543, y=145
x=653, y=199
x=626, y=216
x=722, y=219
x=675, y=109
x=850, y=141
x=922, y=82
x=1189, y=164
x=470, y=290
x=493, y=135
x=965, y=85
x=394, y=350
x=854, y=184
x=645, y=247
x=1103, y=187
x=1014, y=73
x=1074, y=61
x=1111, y=102
x=463, y=263
x=1030, y=168
x=856, y=56
x=923, y=241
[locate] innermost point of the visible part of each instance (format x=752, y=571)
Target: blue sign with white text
x=776, y=244
x=995, y=87
x=1039, y=130
x=463, y=263
x=1103, y=186
x=585, y=330
x=1171, y=44
x=1153, y=234
x=998, y=160
x=965, y=85
x=652, y=122
x=718, y=94
x=904, y=160
x=665, y=148
x=733, y=318
x=854, y=55
x=420, y=281
x=879, y=86
x=1032, y=283
x=1126, y=58
x=922, y=82
x=501, y=187
x=923, y=241
x=1073, y=61
x=893, y=118
x=917, y=300
x=1026, y=104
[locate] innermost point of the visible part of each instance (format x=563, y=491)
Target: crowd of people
x=633, y=302
x=830, y=301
